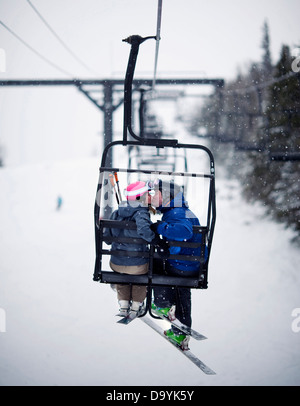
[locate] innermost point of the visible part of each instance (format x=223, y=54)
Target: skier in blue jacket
x=176, y=225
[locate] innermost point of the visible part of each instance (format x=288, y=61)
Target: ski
x=176, y=323
x=129, y=318
x=187, y=353
x=122, y=314
x=182, y=327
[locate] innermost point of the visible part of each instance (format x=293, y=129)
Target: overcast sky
x=212, y=38
x=198, y=39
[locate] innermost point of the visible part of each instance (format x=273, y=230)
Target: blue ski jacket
x=177, y=225
x=141, y=216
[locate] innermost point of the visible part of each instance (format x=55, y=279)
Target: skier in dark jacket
x=134, y=209
x=176, y=225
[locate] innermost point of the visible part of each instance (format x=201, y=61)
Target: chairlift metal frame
x=151, y=279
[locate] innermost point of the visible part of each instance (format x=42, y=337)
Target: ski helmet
x=135, y=190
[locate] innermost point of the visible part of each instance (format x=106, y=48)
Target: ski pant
x=135, y=293
x=167, y=296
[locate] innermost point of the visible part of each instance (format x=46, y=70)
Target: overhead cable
x=67, y=48
x=159, y=13
x=36, y=52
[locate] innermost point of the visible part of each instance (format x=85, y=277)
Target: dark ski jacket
x=141, y=216
x=177, y=225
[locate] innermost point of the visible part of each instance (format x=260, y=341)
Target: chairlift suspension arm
x=134, y=41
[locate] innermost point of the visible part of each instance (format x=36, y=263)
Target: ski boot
x=137, y=307
x=168, y=312
x=181, y=340
x=124, y=308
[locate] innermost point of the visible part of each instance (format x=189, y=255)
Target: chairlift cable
x=59, y=39
x=158, y=27
x=36, y=52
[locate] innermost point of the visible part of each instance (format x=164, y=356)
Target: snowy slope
x=60, y=325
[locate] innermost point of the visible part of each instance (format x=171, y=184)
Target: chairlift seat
x=104, y=197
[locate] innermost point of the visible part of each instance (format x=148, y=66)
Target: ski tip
x=208, y=371
x=123, y=321
x=200, y=337
x=128, y=319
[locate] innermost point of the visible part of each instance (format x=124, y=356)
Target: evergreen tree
x=284, y=116
x=284, y=104
x=258, y=114
x=277, y=184
x=267, y=60
x=1, y=157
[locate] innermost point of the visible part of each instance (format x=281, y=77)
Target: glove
x=154, y=227
x=162, y=247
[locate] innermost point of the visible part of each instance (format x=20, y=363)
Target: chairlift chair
x=106, y=201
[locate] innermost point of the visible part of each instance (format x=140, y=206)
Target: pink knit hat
x=136, y=189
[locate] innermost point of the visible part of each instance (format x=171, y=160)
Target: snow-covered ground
x=60, y=327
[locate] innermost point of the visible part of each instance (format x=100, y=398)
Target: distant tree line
x=253, y=126
x=1, y=156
